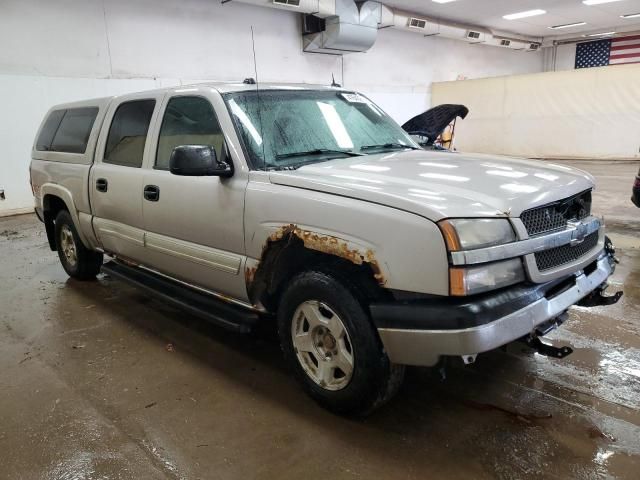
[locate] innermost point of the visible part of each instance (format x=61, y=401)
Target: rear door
x=194, y=225
x=115, y=183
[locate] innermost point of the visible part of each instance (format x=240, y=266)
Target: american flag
x=611, y=51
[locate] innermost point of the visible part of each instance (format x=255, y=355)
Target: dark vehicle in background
x=428, y=128
x=635, y=193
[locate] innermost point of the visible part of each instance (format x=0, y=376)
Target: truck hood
x=439, y=185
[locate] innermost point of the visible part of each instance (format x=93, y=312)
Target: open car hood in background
x=432, y=123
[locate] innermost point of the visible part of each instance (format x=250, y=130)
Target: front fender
x=406, y=251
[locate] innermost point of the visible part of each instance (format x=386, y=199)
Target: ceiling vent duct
x=473, y=36
x=343, y=26
x=406, y=21
x=290, y=3
x=510, y=43
x=417, y=23
x=353, y=28
x=320, y=8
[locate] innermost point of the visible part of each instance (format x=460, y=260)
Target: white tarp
x=586, y=113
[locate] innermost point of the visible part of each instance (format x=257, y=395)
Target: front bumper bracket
x=425, y=346
x=598, y=298
x=546, y=349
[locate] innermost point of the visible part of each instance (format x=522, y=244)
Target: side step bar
x=207, y=307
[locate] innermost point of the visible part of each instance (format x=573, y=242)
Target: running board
x=207, y=307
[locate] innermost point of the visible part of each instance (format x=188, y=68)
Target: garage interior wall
x=565, y=57
x=586, y=113
x=66, y=50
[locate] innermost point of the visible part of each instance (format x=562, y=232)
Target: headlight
x=470, y=233
x=488, y=276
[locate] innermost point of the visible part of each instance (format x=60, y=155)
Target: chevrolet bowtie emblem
x=579, y=234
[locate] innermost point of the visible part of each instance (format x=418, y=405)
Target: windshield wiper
x=387, y=146
x=318, y=151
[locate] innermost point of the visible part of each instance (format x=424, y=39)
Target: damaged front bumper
x=420, y=332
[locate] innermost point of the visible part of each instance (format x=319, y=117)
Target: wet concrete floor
x=99, y=381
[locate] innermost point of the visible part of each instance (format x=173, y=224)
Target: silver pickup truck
x=311, y=206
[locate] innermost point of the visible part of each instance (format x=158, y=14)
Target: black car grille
x=564, y=254
x=555, y=216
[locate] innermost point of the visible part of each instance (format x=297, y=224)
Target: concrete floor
x=99, y=381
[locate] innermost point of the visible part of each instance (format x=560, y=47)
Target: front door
x=115, y=183
x=193, y=225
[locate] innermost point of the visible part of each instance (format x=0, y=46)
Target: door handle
x=152, y=193
x=102, y=185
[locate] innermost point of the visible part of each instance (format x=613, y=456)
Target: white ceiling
x=488, y=13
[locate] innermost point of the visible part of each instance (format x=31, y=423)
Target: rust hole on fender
x=258, y=277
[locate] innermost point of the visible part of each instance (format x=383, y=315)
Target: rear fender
x=65, y=195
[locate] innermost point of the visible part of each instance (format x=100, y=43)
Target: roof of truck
x=222, y=87
x=226, y=87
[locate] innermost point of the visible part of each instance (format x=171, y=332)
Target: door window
x=128, y=133
x=187, y=121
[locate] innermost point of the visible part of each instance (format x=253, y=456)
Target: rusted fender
x=330, y=245
x=320, y=242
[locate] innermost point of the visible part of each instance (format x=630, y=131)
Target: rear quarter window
x=67, y=130
x=49, y=129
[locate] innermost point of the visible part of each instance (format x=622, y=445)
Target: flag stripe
x=628, y=50
x=625, y=39
x=624, y=55
x=625, y=47
x=625, y=61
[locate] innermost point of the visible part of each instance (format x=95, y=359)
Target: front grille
x=564, y=254
x=555, y=216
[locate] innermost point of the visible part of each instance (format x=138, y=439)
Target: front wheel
x=330, y=343
x=76, y=259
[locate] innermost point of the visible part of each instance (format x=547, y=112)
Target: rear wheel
x=332, y=346
x=77, y=260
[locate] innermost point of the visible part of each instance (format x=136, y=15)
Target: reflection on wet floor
x=99, y=381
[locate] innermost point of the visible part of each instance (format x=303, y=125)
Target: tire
x=78, y=261
x=356, y=376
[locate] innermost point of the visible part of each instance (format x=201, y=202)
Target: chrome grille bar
x=574, y=233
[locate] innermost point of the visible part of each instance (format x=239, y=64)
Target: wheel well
x=288, y=255
x=51, y=206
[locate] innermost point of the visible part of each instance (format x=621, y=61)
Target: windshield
x=298, y=127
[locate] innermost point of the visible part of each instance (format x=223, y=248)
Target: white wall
x=565, y=57
x=54, y=51
x=399, y=69
x=585, y=113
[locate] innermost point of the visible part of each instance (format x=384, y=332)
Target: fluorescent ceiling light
x=443, y=1
x=597, y=2
x=603, y=34
x=630, y=15
x=568, y=25
x=525, y=14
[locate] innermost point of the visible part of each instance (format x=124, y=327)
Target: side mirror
x=198, y=161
